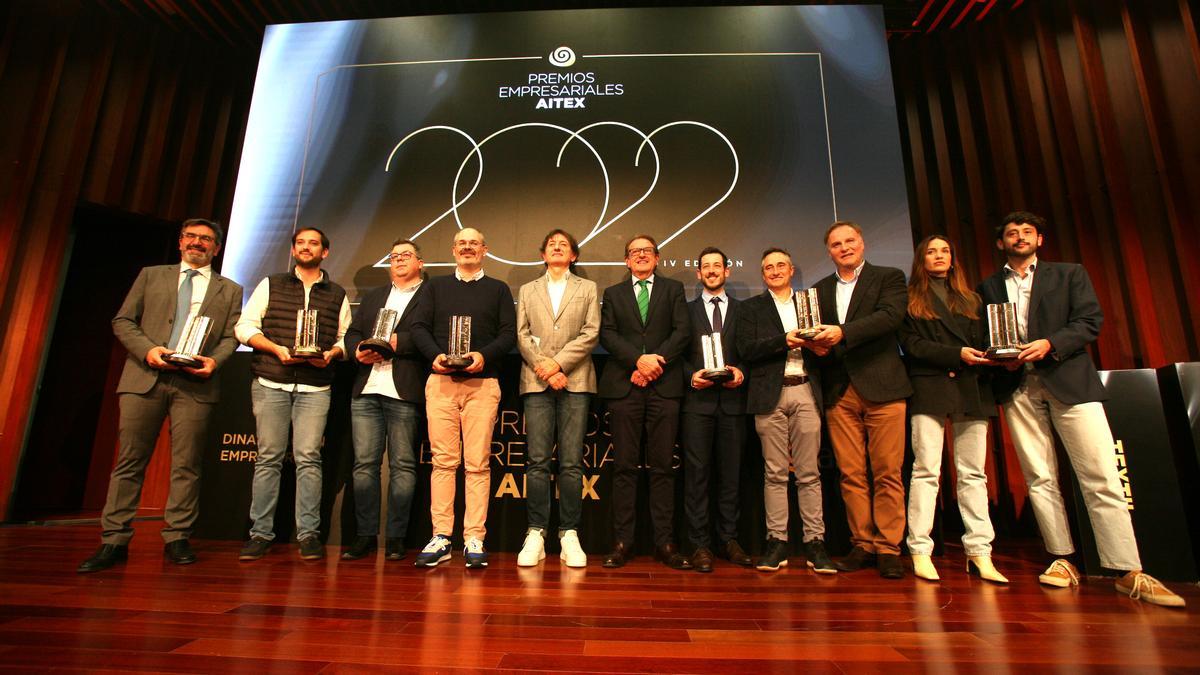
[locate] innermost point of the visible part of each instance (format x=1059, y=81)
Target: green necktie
x=643, y=298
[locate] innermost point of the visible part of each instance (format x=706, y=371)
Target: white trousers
x=970, y=457
x=1090, y=447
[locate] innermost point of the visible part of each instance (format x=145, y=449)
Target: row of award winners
x=428, y=352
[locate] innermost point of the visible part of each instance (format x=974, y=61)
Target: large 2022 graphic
x=603, y=221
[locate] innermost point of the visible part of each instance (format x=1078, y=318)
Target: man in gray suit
x=149, y=324
x=558, y=326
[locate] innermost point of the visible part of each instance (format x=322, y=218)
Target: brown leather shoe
x=735, y=554
x=670, y=556
x=702, y=560
x=619, y=556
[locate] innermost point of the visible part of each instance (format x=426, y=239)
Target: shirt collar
x=857, y=272
x=649, y=280
x=709, y=296
x=1029, y=269
x=474, y=277
x=551, y=280
x=409, y=288
x=205, y=271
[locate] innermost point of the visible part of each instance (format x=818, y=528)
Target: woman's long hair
x=961, y=298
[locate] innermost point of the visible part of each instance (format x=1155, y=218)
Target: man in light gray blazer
x=150, y=324
x=558, y=326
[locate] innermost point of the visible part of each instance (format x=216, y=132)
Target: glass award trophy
x=808, y=313
x=306, y=335
x=715, y=369
x=460, y=343
x=191, y=342
x=1002, y=332
x=380, y=340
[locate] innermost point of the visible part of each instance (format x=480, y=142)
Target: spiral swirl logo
x=562, y=57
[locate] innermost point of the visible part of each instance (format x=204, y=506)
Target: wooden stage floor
x=285, y=615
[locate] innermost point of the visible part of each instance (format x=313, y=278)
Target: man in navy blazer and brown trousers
x=150, y=325
x=865, y=386
x=644, y=326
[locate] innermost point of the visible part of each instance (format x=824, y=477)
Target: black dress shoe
x=179, y=552
x=735, y=554
x=361, y=548
x=856, y=560
x=670, y=556
x=619, y=556
x=890, y=566
x=105, y=557
x=818, y=558
x=774, y=557
x=395, y=548
x=702, y=560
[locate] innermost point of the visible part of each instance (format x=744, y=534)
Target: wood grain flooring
x=285, y=615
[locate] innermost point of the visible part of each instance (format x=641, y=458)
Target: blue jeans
x=377, y=422
x=546, y=413
x=276, y=411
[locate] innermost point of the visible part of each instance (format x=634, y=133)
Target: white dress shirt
x=556, y=289
x=649, y=285
x=1019, y=288
x=706, y=298
x=845, y=291
x=380, y=380
x=787, y=315
x=199, y=284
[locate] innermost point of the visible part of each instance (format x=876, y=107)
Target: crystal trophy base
x=809, y=333
x=1003, y=353
x=380, y=347
x=181, y=359
x=458, y=362
x=308, y=353
x=717, y=375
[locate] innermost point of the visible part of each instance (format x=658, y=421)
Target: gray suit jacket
x=568, y=338
x=145, y=320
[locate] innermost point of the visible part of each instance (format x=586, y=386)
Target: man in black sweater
x=463, y=401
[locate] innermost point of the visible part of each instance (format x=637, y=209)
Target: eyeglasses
x=403, y=256
x=192, y=236
x=645, y=250
x=462, y=243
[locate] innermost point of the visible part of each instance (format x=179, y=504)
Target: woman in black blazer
x=940, y=335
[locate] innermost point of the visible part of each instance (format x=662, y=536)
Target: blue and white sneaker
x=435, y=552
x=474, y=553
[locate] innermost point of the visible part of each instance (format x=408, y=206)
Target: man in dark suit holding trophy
x=151, y=325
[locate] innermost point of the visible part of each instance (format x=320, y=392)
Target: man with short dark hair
x=1053, y=384
x=785, y=399
x=865, y=386
x=714, y=419
x=462, y=404
x=385, y=408
x=644, y=326
x=150, y=326
x=290, y=393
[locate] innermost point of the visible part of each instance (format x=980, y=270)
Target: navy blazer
x=666, y=332
x=1063, y=308
x=410, y=368
x=762, y=345
x=868, y=355
x=942, y=384
x=706, y=401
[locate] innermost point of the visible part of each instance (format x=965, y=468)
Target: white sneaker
x=572, y=553
x=534, y=550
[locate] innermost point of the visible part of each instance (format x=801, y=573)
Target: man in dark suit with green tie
x=150, y=324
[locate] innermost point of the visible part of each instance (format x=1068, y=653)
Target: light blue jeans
x=276, y=411
x=378, y=422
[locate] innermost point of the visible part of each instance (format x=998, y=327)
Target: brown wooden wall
x=120, y=114
x=1083, y=112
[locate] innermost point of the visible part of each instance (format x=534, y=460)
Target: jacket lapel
x=865, y=279
x=573, y=283
x=1041, y=282
x=946, y=317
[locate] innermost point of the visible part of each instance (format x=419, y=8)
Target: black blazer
x=762, y=346
x=706, y=401
x=868, y=355
x=667, y=332
x=1063, y=308
x=409, y=368
x=942, y=384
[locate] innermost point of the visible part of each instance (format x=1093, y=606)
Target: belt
x=793, y=380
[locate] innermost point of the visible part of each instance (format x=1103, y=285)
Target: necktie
x=183, y=306
x=717, y=324
x=643, y=299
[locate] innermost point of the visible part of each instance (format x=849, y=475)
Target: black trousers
x=712, y=441
x=643, y=415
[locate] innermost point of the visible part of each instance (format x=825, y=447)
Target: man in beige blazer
x=149, y=325
x=558, y=326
